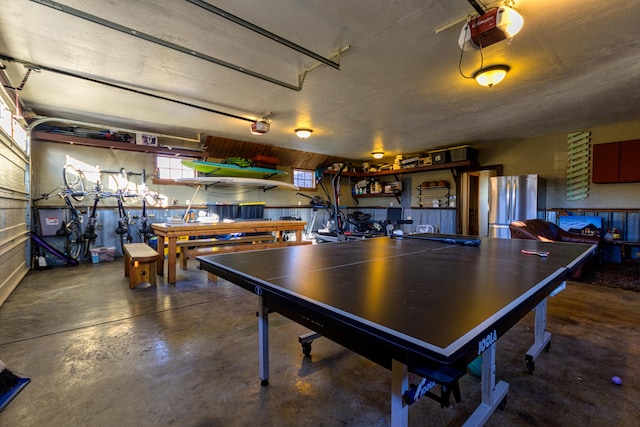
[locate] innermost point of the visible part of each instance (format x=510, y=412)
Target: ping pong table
x=411, y=305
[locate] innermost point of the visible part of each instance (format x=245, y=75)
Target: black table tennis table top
x=430, y=299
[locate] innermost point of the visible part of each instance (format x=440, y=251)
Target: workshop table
x=411, y=305
x=170, y=232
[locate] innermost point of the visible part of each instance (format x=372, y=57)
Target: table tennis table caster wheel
x=547, y=347
x=531, y=365
x=264, y=383
x=306, y=348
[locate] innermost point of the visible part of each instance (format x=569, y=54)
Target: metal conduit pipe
x=4, y=77
x=128, y=89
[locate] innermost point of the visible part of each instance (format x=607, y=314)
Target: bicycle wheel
x=76, y=240
x=152, y=198
x=73, y=182
x=123, y=185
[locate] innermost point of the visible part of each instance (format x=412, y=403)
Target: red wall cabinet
x=616, y=162
x=629, y=161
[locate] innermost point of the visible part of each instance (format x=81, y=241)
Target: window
x=304, y=178
x=170, y=168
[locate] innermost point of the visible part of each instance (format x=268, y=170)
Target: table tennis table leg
x=263, y=341
x=493, y=395
x=542, y=338
x=399, y=385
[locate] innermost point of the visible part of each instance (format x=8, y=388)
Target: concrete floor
x=100, y=354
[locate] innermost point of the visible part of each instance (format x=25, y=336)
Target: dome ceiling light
x=303, y=133
x=490, y=76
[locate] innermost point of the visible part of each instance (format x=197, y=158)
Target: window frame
x=170, y=181
x=294, y=172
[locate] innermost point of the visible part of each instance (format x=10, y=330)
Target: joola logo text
x=486, y=342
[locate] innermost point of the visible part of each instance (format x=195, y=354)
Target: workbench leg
x=172, y=256
x=493, y=396
x=127, y=261
x=263, y=341
x=399, y=385
x=160, y=250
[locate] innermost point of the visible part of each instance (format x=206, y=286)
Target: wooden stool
x=140, y=264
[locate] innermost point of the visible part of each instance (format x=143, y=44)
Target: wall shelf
x=369, y=196
x=426, y=195
x=365, y=196
x=464, y=164
x=118, y=145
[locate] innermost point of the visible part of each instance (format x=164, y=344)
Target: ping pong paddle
x=534, y=252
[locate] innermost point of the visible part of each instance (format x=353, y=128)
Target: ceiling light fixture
x=377, y=154
x=303, y=133
x=490, y=76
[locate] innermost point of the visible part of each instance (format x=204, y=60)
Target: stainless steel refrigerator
x=513, y=198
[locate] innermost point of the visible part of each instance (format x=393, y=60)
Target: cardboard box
x=392, y=187
x=145, y=139
x=425, y=161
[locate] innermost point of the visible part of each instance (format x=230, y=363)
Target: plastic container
x=103, y=254
x=51, y=220
x=224, y=210
x=251, y=210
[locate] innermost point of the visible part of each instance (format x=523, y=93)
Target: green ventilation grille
x=578, y=165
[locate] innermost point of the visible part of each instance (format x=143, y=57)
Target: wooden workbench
x=170, y=232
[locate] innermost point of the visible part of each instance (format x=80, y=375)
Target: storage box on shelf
x=439, y=157
x=462, y=152
x=145, y=139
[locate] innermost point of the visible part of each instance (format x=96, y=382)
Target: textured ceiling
x=575, y=65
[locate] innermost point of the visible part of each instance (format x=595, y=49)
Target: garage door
x=14, y=236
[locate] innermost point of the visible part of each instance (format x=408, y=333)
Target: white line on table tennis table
x=367, y=261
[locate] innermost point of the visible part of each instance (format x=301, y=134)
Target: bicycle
x=145, y=233
x=89, y=236
x=71, y=228
x=122, y=194
x=74, y=182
